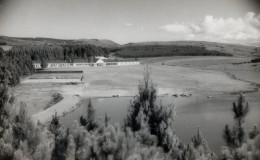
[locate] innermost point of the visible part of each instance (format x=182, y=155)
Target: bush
x=55, y=98
x=44, y=64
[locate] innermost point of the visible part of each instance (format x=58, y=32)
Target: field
x=205, y=76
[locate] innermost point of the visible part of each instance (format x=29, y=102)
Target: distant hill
x=51, y=41
x=99, y=42
x=145, y=49
x=234, y=49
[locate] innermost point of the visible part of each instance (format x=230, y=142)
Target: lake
x=210, y=114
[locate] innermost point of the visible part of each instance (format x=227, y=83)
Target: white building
x=37, y=65
x=88, y=63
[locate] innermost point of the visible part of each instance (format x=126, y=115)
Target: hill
x=220, y=48
x=51, y=41
x=143, y=49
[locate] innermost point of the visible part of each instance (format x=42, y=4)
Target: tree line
x=166, y=50
x=60, y=52
x=13, y=65
x=17, y=61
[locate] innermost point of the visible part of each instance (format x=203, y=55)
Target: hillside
x=166, y=50
x=51, y=41
x=98, y=42
x=234, y=49
x=143, y=49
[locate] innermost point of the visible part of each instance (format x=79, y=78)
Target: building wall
x=59, y=65
x=37, y=65
x=98, y=63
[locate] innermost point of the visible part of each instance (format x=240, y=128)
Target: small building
x=37, y=65
x=100, y=62
x=93, y=62
x=59, y=64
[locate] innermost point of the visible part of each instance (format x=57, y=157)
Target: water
x=210, y=114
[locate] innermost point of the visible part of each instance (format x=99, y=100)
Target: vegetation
x=44, y=64
x=13, y=65
x=167, y=50
x=20, y=138
x=55, y=98
x=148, y=133
x=60, y=52
x=239, y=144
x=255, y=60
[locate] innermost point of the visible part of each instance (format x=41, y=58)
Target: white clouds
x=178, y=28
x=128, y=24
x=218, y=29
x=134, y=26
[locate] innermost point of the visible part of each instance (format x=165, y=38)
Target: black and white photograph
x=129, y=79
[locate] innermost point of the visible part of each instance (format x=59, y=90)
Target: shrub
x=44, y=64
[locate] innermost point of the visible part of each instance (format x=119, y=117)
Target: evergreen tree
x=89, y=120
x=236, y=136
x=238, y=146
x=145, y=112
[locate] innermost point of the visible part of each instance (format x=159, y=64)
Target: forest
x=166, y=50
x=147, y=133
x=59, y=52
x=17, y=61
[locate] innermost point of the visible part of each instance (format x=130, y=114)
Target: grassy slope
x=234, y=49
x=50, y=41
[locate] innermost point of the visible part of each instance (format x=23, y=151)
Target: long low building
x=88, y=63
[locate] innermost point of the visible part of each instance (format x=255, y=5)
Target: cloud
x=128, y=24
x=134, y=26
x=218, y=29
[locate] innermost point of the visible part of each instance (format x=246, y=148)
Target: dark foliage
x=55, y=98
x=55, y=125
x=3, y=112
x=14, y=64
x=254, y=132
x=166, y=50
x=60, y=52
x=256, y=60
x=61, y=144
x=156, y=116
x=61, y=139
x=89, y=120
x=236, y=136
x=44, y=64
x=197, y=140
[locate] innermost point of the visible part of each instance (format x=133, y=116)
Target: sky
x=124, y=21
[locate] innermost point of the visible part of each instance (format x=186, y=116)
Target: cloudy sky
x=123, y=21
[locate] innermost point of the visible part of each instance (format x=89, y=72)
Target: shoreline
x=96, y=92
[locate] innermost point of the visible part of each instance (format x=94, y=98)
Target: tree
x=61, y=139
x=236, y=137
x=89, y=120
x=238, y=146
x=145, y=112
x=44, y=64
x=4, y=114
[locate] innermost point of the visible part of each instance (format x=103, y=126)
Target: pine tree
x=236, y=136
x=89, y=120
x=144, y=112
x=238, y=146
